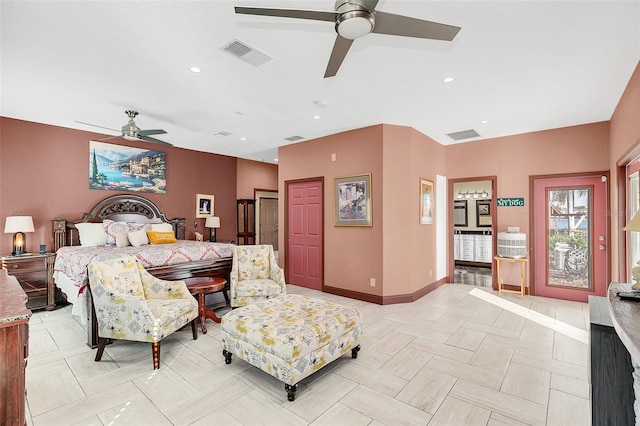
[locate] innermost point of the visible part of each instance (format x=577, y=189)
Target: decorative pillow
x=138, y=238
x=138, y=226
x=91, y=234
x=162, y=227
x=112, y=228
x=156, y=237
x=122, y=239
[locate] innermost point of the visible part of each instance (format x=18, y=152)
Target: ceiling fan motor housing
x=130, y=130
x=354, y=20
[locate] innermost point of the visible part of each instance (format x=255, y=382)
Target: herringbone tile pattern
x=459, y=356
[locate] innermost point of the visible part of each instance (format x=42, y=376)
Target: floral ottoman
x=291, y=336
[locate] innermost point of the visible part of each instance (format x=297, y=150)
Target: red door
x=304, y=233
x=570, y=230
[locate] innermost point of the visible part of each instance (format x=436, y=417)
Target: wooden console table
x=14, y=349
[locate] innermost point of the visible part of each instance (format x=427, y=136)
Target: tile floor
x=472, y=275
x=458, y=356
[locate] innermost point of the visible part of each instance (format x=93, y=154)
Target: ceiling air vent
x=293, y=138
x=223, y=133
x=245, y=52
x=464, y=134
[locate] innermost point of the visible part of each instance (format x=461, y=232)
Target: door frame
x=532, y=237
x=286, y=222
x=494, y=221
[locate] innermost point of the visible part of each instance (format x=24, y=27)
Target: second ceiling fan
x=356, y=18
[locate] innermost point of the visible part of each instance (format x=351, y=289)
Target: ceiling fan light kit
x=354, y=24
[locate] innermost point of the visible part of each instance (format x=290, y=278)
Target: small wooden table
x=200, y=287
x=522, y=262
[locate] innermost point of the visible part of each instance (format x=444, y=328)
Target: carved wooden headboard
x=119, y=208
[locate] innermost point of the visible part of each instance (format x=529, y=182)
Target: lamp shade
x=212, y=222
x=18, y=224
x=634, y=224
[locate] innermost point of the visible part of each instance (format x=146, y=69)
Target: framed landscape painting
x=353, y=200
x=123, y=168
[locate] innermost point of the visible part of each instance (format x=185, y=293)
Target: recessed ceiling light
x=195, y=69
x=275, y=159
x=484, y=121
x=448, y=79
x=317, y=117
x=243, y=139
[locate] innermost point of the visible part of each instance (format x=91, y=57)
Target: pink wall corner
x=253, y=175
x=624, y=135
x=513, y=159
x=352, y=255
x=44, y=172
x=409, y=249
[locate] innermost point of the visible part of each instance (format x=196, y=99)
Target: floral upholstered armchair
x=132, y=304
x=255, y=275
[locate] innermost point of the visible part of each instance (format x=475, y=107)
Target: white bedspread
x=70, y=270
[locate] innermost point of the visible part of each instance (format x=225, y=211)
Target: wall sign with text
x=511, y=202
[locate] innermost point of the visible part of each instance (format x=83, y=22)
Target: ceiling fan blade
x=151, y=132
x=154, y=140
x=340, y=49
x=101, y=127
x=288, y=13
x=388, y=23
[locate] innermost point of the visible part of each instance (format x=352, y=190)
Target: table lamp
x=212, y=223
x=634, y=226
x=18, y=225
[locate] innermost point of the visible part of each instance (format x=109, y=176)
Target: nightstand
x=35, y=275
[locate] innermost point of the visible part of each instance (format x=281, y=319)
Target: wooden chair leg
x=155, y=347
x=102, y=341
x=194, y=329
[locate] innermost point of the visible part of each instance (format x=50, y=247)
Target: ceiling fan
x=356, y=18
x=132, y=132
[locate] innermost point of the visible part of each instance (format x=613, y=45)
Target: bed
x=178, y=260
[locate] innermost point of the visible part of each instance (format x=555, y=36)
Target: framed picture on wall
x=483, y=213
x=426, y=201
x=353, y=200
x=204, y=205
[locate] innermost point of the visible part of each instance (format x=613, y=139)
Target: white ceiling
x=521, y=65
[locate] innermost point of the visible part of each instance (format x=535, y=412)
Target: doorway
x=472, y=236
x=267, y=217
x=304, y=261
x=570, y=238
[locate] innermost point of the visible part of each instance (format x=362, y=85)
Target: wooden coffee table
x=199, y=288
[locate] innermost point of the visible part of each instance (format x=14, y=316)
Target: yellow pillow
x=158, y=237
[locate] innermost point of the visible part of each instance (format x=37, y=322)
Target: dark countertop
x=625, y=315
x=12, y=300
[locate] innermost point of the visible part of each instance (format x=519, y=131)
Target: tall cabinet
x=246, y=211
x=14, y=340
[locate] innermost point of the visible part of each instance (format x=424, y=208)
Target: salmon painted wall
x=513, y=159
x=44, y=173
x=352, y=255
x=255, y=175
x=625, y=135
x=409, y=248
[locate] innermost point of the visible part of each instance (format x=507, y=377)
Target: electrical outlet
x=372, y=282
x=430, y=273
x=333, y=156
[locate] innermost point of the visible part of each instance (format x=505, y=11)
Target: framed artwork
x=483, y=213
x=426, y=201
x=204, y=205
x=353, y=200
x=123, y=168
